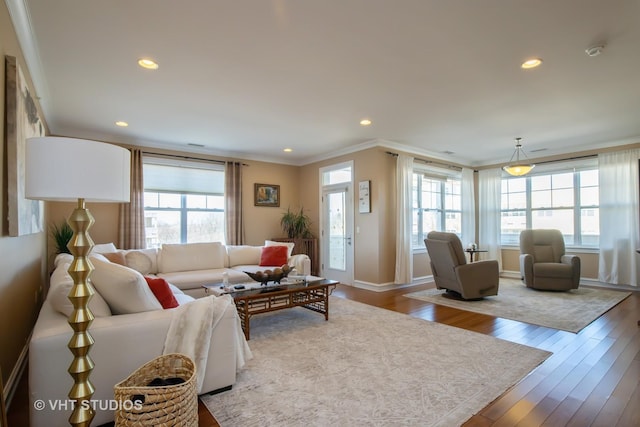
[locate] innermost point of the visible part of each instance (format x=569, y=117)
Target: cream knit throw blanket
x=190, y=332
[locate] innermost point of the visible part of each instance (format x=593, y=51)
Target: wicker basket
x=163, y=406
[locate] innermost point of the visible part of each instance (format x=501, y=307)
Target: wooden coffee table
x=312, y=295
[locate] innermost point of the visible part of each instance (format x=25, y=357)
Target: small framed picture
x=364, y=197
x=266, y=195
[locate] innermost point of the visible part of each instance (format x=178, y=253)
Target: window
x=564, y=197
x=183, y=202
x=437, y=205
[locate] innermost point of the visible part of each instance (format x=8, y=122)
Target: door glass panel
x=337, y=229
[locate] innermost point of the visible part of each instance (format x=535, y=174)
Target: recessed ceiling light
x=365, y=122
x=122, y=124
x=147, y=63
x=531, y=63
x=288, y=150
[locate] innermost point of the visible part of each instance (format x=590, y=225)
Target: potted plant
x=296, y=225
x=61, y=235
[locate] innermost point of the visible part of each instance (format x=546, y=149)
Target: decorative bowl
x=267, y=276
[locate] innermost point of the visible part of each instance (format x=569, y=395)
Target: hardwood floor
x=592, y=378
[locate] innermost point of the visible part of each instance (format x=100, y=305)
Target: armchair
x=451, y=271
x=543, y=263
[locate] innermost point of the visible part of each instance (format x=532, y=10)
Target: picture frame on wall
x=22, y=122
x=266, y=195
x=364, y=197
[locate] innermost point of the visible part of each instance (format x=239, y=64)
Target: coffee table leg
x=326, y=304
x=243, y=314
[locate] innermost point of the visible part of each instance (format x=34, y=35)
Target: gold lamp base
x=80, y=319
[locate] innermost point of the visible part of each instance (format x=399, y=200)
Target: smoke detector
x=594, y=50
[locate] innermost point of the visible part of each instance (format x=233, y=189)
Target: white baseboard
x=381, y=287
x=510, y=274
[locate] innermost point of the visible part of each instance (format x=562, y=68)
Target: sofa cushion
x=61, y=284
x=123, y=288
x=144, y=261
x=190, y=257
x=273, y=255
x=289, y=245
x=162, y=292
x=240, y=255
x=186, y=280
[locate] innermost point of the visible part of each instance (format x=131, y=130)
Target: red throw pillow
x=273, y=256
x=162, y=291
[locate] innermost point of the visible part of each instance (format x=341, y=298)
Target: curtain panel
x=468, y=233
x=489, y=194
x=234, y=224
x=131, y=232
x=618, y=175
x=404, y=255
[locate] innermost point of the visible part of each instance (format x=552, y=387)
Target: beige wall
x=22, y=264
x=374, y=245
x=588, y=262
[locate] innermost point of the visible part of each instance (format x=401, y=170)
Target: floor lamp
x=67, y=169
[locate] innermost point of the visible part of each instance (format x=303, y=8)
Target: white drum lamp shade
x=66, y=169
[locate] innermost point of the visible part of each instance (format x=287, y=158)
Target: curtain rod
x=177, y=156
x=458, y=168
x=588, y=156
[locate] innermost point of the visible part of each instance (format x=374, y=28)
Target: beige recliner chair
x=451, y=271
x=543, y=263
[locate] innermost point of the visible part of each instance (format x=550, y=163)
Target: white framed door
x=337, y=232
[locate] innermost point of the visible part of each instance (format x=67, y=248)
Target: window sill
x=569, y=249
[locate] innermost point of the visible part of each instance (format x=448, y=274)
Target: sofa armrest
x=574, y=262
x=123, y=343
x=301, y=262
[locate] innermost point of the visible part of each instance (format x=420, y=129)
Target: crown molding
x=19, y=13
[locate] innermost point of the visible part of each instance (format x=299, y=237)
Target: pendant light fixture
x=518, y=168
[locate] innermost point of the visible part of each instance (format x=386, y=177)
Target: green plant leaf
x=62, y=235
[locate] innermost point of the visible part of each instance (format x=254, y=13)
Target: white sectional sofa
x=130, y=326
x=190, y=266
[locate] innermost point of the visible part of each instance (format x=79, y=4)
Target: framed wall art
x=364, y=197
x=266, y=195
x=22, y=122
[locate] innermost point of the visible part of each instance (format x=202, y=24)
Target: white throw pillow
x=191, y=256
x=104, y=248
x=241, y=255
x=183, y=298
x=61, y=284
x=124, y=289
x=144, y=261
x=289, y=245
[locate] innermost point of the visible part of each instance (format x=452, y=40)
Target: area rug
x=568, y=311
x=367, y=366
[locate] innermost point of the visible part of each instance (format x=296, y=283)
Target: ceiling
x=248, y=78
